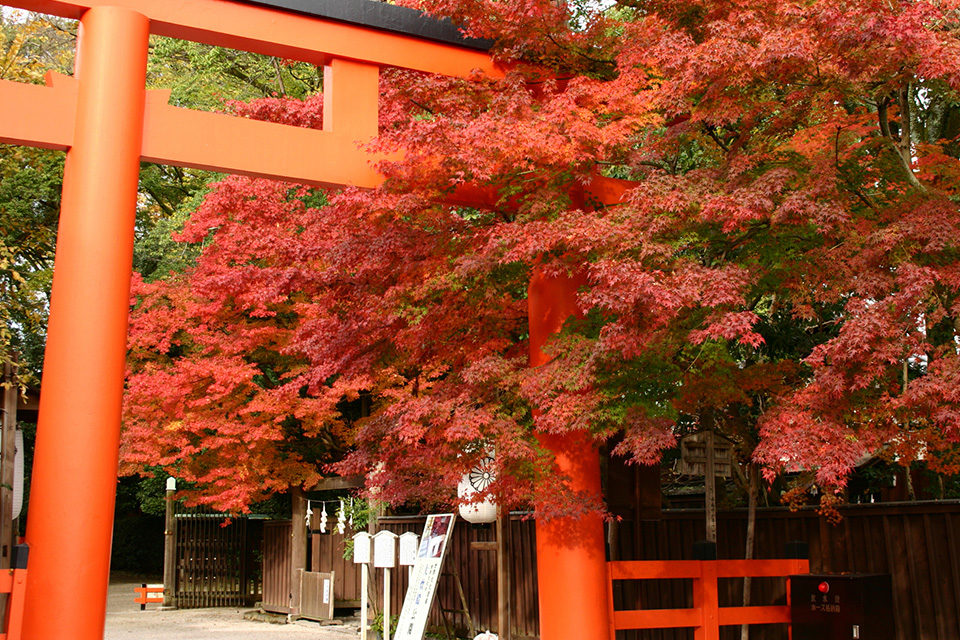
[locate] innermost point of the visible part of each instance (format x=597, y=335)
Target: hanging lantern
x=478, y=479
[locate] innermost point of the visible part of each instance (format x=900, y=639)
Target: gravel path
x=125, y=621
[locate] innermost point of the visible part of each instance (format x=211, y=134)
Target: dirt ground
x=125, y=621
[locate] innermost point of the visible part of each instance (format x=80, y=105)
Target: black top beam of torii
x=383, y=16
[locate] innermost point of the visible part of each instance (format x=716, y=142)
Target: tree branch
x=900, y=144
x=712, y=132
x=279, y=71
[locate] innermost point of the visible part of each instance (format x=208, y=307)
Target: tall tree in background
x=785, y=270
x=29, y=195
x=200, y=76
x=788, y=251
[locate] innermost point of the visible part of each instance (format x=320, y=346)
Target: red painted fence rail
x=13, y=582
x=707, y=616
x=148, y=595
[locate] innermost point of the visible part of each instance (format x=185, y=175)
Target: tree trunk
x=911, y=493
x=751, y=530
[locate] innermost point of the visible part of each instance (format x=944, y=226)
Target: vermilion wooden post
x=571, y=556
x=800, y=566
x=75, y=463
x=707, y=598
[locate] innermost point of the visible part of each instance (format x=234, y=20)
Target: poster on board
x=426, y=575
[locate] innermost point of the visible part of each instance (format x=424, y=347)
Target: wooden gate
x=215, y=556
x=316, y=595
x=277, y=566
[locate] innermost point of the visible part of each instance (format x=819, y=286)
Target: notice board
x=426, y=575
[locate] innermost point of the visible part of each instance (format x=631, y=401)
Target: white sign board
x=426, y=574
x=361, y=547
x=385, y=550
x=409, y=543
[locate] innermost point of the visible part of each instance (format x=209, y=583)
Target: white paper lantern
x=477, y=479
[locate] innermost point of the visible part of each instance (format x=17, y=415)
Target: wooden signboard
x=711, y=456
x=693, y=455
x=426, y=575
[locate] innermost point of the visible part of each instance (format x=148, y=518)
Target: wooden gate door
x=316, y=595
x=276, y=566
x=212, y=561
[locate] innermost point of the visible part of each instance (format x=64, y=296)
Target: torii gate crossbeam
x=108, y=123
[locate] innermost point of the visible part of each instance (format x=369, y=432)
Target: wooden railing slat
x=654, y=569
x=755, y=568
x=754, y=615
x=706, y=616
x=656, y=619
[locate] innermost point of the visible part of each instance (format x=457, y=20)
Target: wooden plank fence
x=477, y=570
x=917, y=543
x=707, y=612
x=914, y=542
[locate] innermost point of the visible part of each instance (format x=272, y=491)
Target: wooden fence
x=216, y=560
x=477, y=570
x=707, y=616
x=916, y=543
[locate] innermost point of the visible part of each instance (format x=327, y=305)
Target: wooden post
x=710, y=485
x=298, y=547
x=386, y=603
x=752, y=482
x=504, y=614
x=364, y=597
x=375, y=509
x=169, y=548
x=7, y=450
x=706, y=599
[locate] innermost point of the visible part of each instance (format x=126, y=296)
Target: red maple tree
x=785, y=268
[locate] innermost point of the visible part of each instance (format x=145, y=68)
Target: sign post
x=169, y=546
x=425, y=576
x=707, y=454
x=385, y=557
x=361, y=556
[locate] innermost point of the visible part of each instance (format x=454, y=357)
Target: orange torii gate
x=107, y=122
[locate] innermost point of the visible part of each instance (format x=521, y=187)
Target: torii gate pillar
x=572, y=579
x=75, y=469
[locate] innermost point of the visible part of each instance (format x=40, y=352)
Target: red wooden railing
x=13, y=582
x=148, y=595
x=707, y=616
